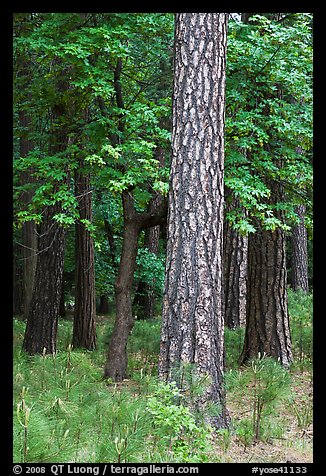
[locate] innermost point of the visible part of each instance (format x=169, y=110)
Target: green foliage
x=233, y=339
x=268, y=115
x=73, y=415
x=176, y=426
x=150, y=269
x=65, y=411
x=80, y=53
x=301, y=314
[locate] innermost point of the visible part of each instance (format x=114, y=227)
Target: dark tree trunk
x=29, y=241
x=103, y=307
x=117, y=361
x=299, y=259
x=84, y=329
x=144, y=301
x=18, y=294
x=193, y=324
x=235, y=276
x=42, y=318
x=267, y=328
x=110, y=237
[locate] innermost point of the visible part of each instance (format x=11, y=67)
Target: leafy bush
x=176, y=426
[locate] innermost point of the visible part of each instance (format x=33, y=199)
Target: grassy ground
x=65, y=412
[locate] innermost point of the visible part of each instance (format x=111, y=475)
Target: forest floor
x=294, y=444
x=64, y=411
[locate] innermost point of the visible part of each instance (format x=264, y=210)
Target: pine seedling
x=24, y=411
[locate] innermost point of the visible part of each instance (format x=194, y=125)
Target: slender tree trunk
x=84, y=329
x=235, y=276
x=193, y=324
x=299, y=258
x=117, y=359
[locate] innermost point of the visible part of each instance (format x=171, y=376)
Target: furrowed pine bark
x=267, y=322
x=42, y=318
x=84, y=328
x=193, y=325
x=267, y=327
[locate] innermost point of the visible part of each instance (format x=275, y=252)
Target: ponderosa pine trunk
x=267, y=322
x=84, y=328
x=235, y=265
x=193, y=324
x=267, y=327
x=299, y=258
x=42, y=319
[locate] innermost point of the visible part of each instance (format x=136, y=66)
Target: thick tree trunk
x=267, y=327
x=235, y=276
x=84, y=328
x=193, y=324
x=42, y=318
x=299, y=259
